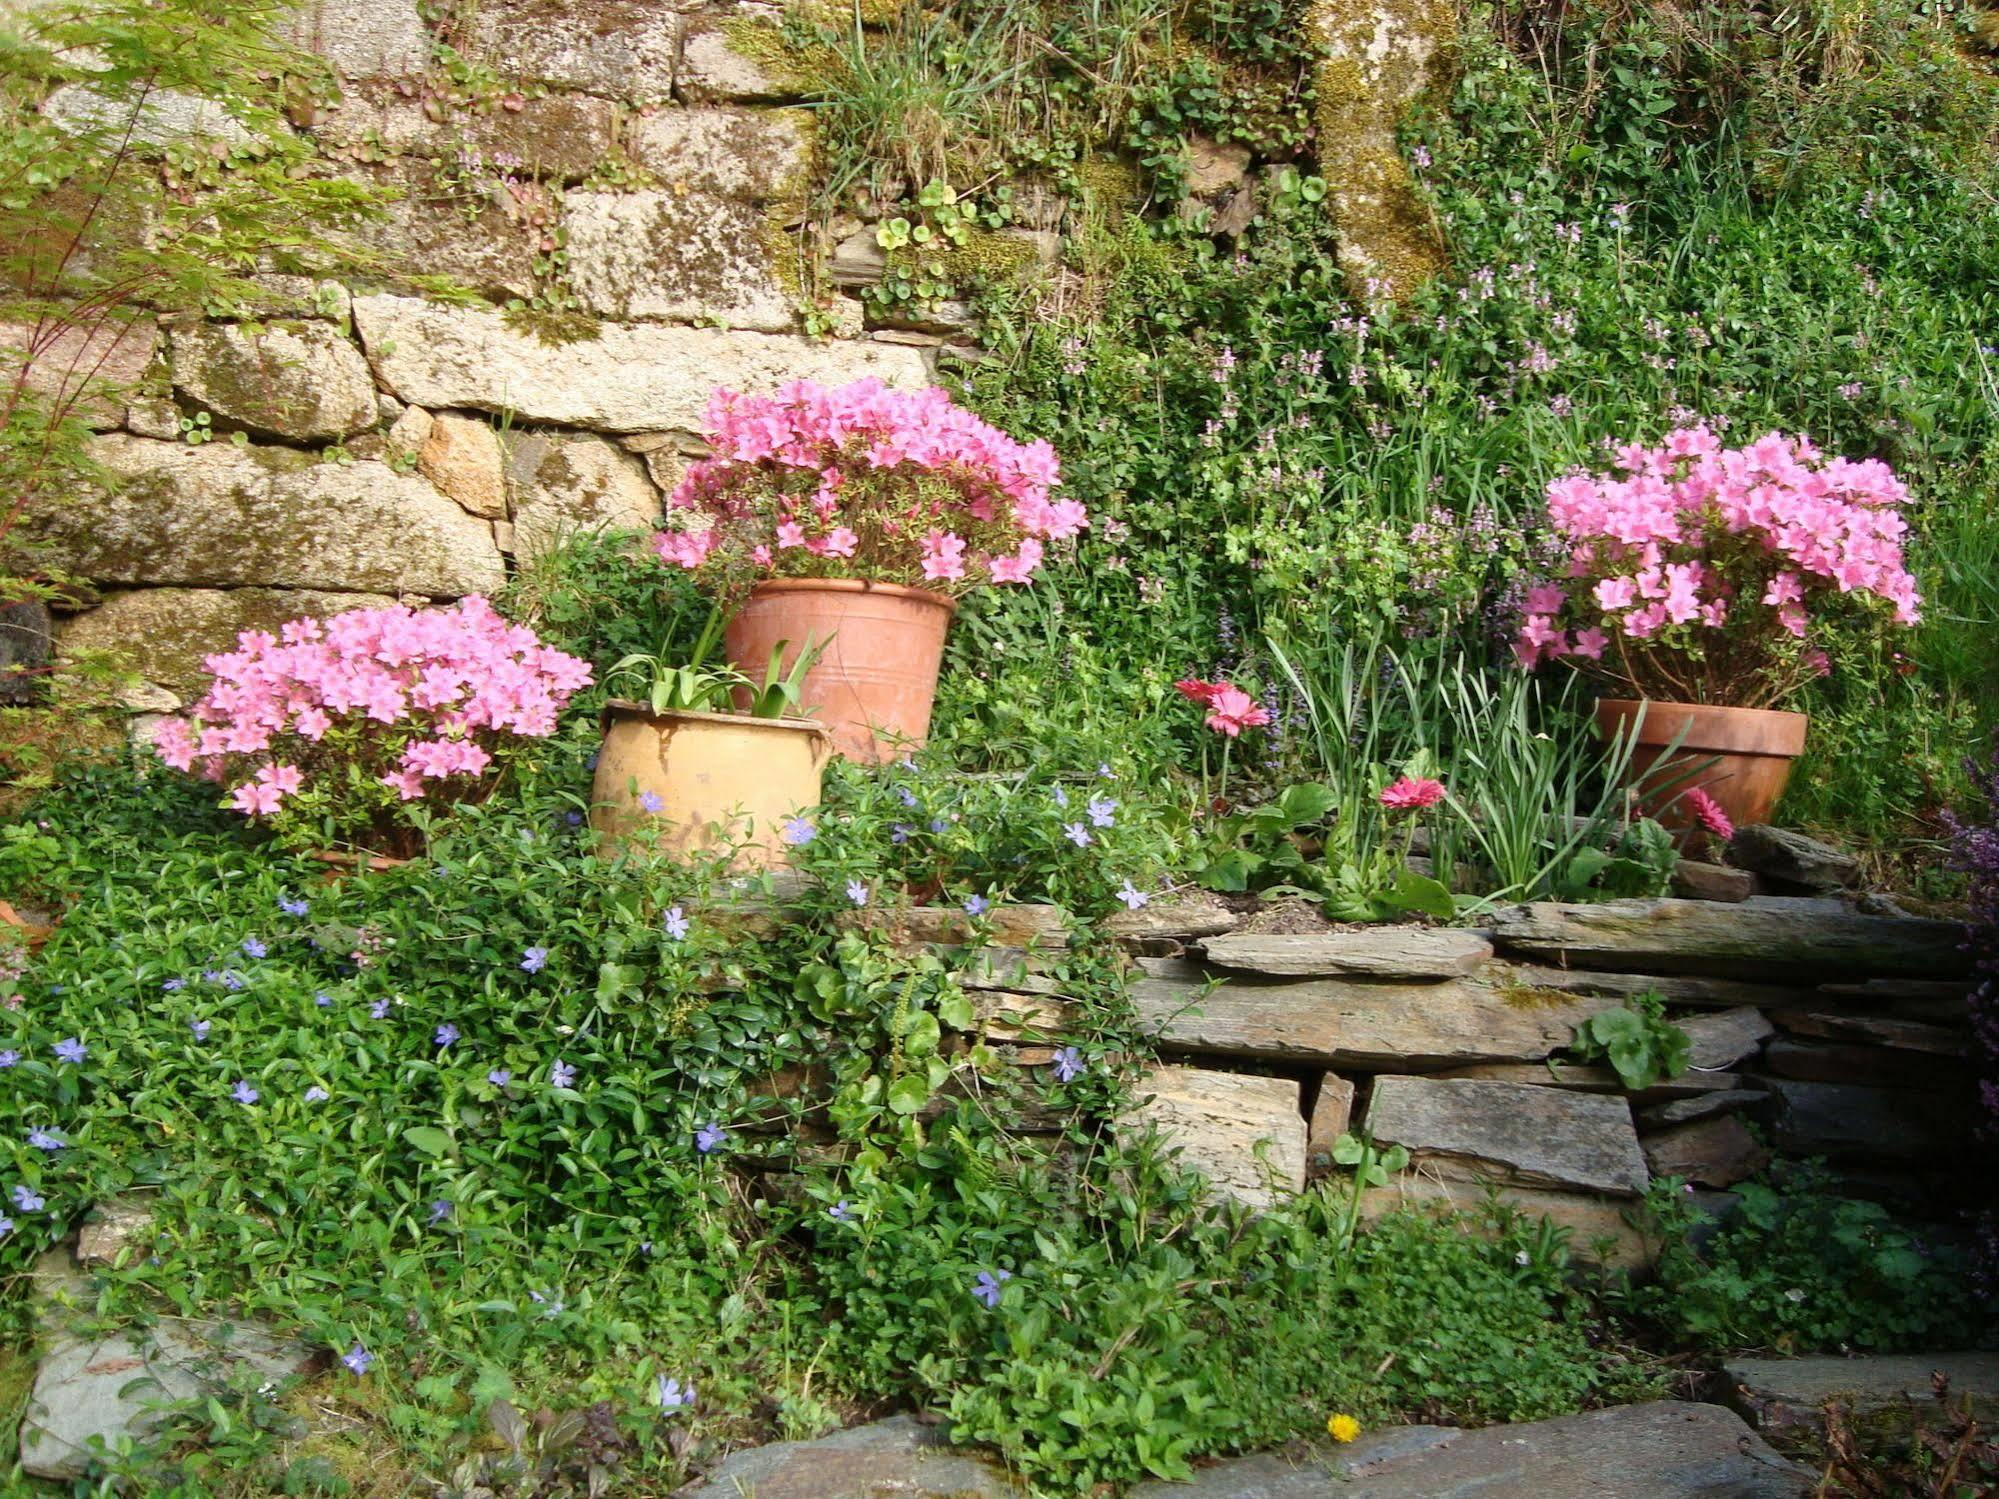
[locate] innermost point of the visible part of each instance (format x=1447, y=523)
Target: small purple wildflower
x=200, y=1028
x=857, y=892
x=839, y=1212
x=6, y=1226
x=987, y=1286
x=253, y=947
x=171, y=984
x=71, y=1050
x=534, y=960
x=232, y=980
x=977, y=905
x=1076, y=833
x=907, y=796
x=41, y=1139
x=574, y=819
x=673, y=1395
x=243, y=1093
x=499, y=1077
x=316, y=1094
x=562, y=1075
x=938, y=824
x=1132, y=896
x=1068, y=1065
x=1104, y=770
x=676, y=923
x=799, y=831
x=446, y=1034
x=1061, y=796
x=213, y=975
x=358, y=1359
x=709, y=1136
x=28, y=1200
x=439, y=1211
x=653, y=802
x=9, y=1058
x=1100, y=810
x=323, y=1000
x=899, y=832
x=292, y=906
x=379, y=1009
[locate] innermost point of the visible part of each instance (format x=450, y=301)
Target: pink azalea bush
x=861, y=481
x=1699, y=573
x=354, y=721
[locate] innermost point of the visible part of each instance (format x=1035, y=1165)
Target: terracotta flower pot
x=874, y=685
x=688, y=782
x=1752, y=750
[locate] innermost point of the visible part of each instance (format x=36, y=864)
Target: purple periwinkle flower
x=1061, y=796
x=499, y=1077
x=857, y=892
x=534, y=960
x=439, y=1211
x=254, y=948
x=987, y=1286
x=977, y=905
x=200, y=1028
x=673, y=1395
x=171, y=984
x=41, y=1139
x=9, y=1058
x=358, y=1359
x=1068, y=1064
x=839, y=1212
x=799, y=831
x=28, y=1200
x=1104, y=770
x=1100, y=810
x=323, y=1000
x=1132, y=896
x=562, y=1075
x=446, y=1034
x=938, y=824
x=676, y=923
x=574, y=819
x=71, y=1050
x=653, y=802
x=907, y=796
x=379, y=1009
x=709, y=1137
x=232, y=980
x=243, y=1093
x=316, y=1094
x=6, y=1226
x=292, y=906
x=1076, y=833
x=899, y=832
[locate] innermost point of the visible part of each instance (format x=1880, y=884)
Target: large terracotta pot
x=877, y=678
x=713, y=778
x=1751, y=750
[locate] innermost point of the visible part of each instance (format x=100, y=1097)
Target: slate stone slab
x=1601, y=1230
x=1878, y=1030
x=1698, y=1106
x=1717, y=1152
x=1662, y=1450
x=1791, y=857
x=1760, y=937
x=1724, y=1038
x=1693, y=880
x=1868, y=1066
x=900, y=1458
x=1245, y=1134
x=1842, y=1121
x=1682, y=990
x=1788, y=1396
x=1196, y=914
x=1406, y=952
x=93, y=1392
x=1346, y=1023
x=1530, y=1135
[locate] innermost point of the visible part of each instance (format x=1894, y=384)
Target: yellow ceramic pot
x=690, y=782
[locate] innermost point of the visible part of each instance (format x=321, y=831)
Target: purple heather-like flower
x=562, y=1075
x=676, y=923
x=673, y=1395
x=71, y=1050
x=499, y=1077
x=439, y=1211
x=799, y=831
x=358, y=1359
x=534, y=960
x=839, y=1212
x=857, y=892
x=41, y=1139
x=987, y=1286
x=977, y=905
x=446, y=1034
x=379, y=1009
x=243, y=1093
x=709, y=1136
x=1076, y=833
x=200, y=1028
x=316, y=1094
x=1100, y=810
x=1068, y=1064
x=653, y=802
x=292, y=906
x=1132, y=896
x=28, y=1200
x=174, y=984
x=254, y=948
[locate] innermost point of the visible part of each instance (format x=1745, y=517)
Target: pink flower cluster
x=1230, y=709
x=415, y=696
x=864, y=481
x=1716, y=555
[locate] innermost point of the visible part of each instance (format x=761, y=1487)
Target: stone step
x=1511, y=1131
x=1882, y=1394
x=1344, y=1024
x=1390, y=952
x=1759, y=938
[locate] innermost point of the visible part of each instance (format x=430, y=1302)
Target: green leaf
x=429, y=1140
x=908, y=1094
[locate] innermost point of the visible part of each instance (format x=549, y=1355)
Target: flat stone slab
x=1194, y=914
x=1245, y=1134
x=1693, y=880
x=1698, y=1106
x=1526, y=1134
x=900, y=1458
x=1760, y=937
x=102, y=1389
x=1878, y=1030
x=1346, y=1023
x=1662, y=1450
x=1725, y=1037
x=1689, y=991
x=1792, y=857
x=1407, y=952
x=1790, y=1394
x=1716, y=1152
x=1840, y=1120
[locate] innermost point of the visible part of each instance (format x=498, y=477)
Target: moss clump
x=552, y=327
x=986, y=258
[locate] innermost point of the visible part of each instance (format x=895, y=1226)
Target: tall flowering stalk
x=354, y=722
x=861, y=481
x=1705, y=574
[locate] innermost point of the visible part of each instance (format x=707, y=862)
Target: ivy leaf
x=908, y=1094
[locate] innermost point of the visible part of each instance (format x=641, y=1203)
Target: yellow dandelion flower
x=1342, y=1428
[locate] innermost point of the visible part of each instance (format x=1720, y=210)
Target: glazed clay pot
x=1751, y=749
x=714, y=778
x=874, y=684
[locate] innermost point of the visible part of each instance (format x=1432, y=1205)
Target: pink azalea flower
x=1412, y=794
x=254, y=800
x=943, y=557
